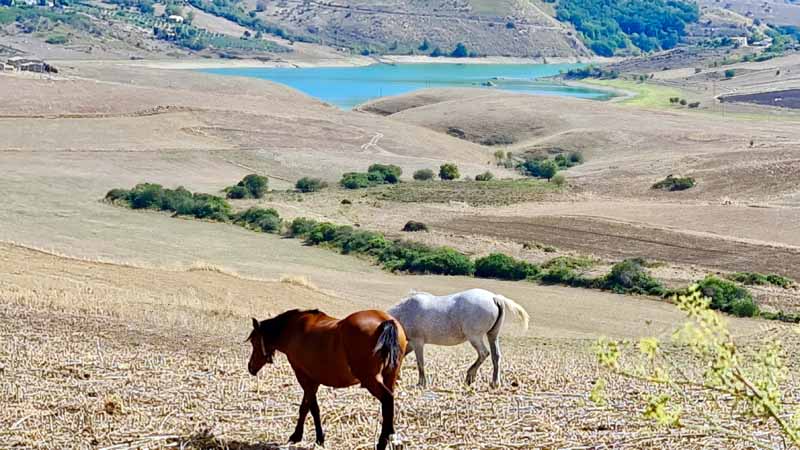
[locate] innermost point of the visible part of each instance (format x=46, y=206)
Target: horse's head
x=263, y=347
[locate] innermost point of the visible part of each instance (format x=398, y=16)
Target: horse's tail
x=388, y=345
x=518, y=310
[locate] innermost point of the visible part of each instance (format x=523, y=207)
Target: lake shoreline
x=354, y=61
x=347, y=87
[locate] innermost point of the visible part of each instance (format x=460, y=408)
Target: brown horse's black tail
x=388, y=345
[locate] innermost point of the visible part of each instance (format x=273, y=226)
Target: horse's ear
x=255, y=324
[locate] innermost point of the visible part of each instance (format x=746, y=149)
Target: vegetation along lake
x=347, y=87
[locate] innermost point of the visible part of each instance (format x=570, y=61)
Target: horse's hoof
x=295, y=438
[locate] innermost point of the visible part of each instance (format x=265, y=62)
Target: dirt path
x=616, y=240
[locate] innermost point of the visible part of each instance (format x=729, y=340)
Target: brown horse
x=366, y=347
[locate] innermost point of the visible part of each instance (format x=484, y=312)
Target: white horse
x=454, y=319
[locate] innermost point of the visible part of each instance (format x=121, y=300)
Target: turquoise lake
x=347, y=87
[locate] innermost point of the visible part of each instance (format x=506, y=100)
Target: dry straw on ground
x=136, y=358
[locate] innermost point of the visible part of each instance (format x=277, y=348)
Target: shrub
x=540, y=168
x=390, y=173
x=576, y=158
x=560, y=272
x=728, y=297
x=251, y=186
x=346, y=202
x=56, y=39
x=116, y=195
x=498, y=139
x=486, y=176
x=355, y=180
x=211, y=207
x=413, y=226
x=441, y=261
x=266, y=220
x=758, y=279
x=730, y=73
x=672, y=183
x=423, y=175
x=146, y=195
x=694, y=105
x=307, y=184
x=321, y=233
x=449, y=171
x=301, y=226
x=559, y=179
x=572, y=262
x=460, y=51
x=630, y=277
x=504, y=267
x=682, y=102
x=237, y=192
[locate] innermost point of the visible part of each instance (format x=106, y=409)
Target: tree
x=307, y=184
x=730, y=73
x=423, y=175
x=449, y=171
x=437, y=52
x=425, y=46
x=460, y=51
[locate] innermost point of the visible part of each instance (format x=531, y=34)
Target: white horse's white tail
x=518, y=310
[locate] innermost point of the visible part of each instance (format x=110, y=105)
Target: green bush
x=237, y=192
x=486, y=176
x=146, y=196
x=559, y=180
x=413, y=257
x=449, y=172
x=413, y=226
x=572, y=262
x=266, y=220
x=251, y=186
x=180, y=201
x=117, y=195
x=672, y=183
x=540, y=168
x=631, y=277
x=728, y=297
x=504, y=267
x=355, y=180
x=56, y=39
x=441, y=261
x=211, y=207
x=560, y=272
x=301, y=226
x=307, y=184
x=758, y=279
x=423, y=175
x=321, y=233
x=390, y=173
x=730, y=73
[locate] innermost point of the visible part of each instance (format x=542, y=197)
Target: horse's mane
x=274, y=326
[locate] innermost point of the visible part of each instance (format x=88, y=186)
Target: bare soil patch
x=618, y=240
x=789, y=98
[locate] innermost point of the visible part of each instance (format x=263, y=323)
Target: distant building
x=175, y=19
x=739, y=41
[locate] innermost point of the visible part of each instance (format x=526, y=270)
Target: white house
x=175, y=19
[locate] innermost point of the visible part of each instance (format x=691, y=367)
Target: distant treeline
x=608, y=26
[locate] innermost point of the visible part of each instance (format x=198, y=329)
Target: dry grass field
x=123, y=329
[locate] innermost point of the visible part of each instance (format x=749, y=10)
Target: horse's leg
x=386, y=397
x=309, y=391
x=314, y=407
x=420, y=353
x=494, y=346
x=483, y=353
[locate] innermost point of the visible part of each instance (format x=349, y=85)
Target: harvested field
x=618, y=240
x=150, y=358
x=789, y=98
